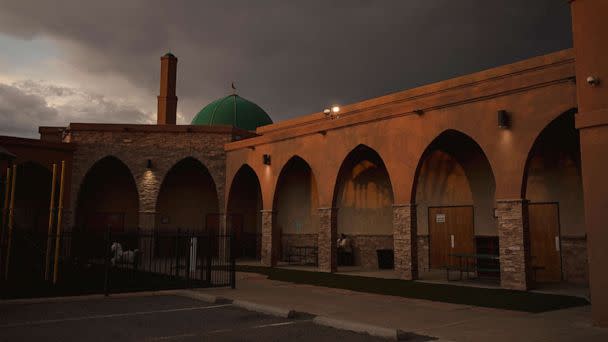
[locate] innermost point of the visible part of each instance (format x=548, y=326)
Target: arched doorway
x=364, y=199
x=244, y=219
x=553, y=187
x=296, y=221
x=454, y=196
x=108, y=198
x=32, y=198
x=187, y=199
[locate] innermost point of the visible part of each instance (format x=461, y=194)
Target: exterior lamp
x=503, y=119
x=332, y=112
x=266, y=159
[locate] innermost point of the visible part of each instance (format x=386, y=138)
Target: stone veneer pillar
x=513, y=235
x=269, y=240
x=327, y=239
x=147, y=220
x=405, y=241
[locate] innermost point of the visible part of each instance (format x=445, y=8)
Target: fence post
x=106, y=280
x=177, y=254
x=209, y=257
x=232, y=263
x=187, y=254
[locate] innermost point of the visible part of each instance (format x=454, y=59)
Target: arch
x=563, y=124
x=32, y=196
x=188, y=198
x=552, y=183
x=108, y=198
x=363, y=196
x=295, y=204
x=244, y=220
x=455, y=182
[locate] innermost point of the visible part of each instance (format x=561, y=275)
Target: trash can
x=385, y=258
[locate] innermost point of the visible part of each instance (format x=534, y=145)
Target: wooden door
x=545, y=248
x=451, y=231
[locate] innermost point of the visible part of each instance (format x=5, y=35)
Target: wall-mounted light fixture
x=593, y=80
x=504, y=121
x=418, y=111
x=266, y=159
x=332, y=113
x=149, y=164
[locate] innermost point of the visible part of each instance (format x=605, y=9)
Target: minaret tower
x=167, y=101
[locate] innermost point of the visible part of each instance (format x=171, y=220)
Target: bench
x=472, y=267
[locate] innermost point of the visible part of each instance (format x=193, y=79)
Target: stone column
x=405, y=241
x=513, y=235
x=269, y=239
x=327, y=239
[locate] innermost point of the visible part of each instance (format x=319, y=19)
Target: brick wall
x=574, y=259
x=134, y=148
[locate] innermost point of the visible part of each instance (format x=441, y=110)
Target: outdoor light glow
x=335, y=109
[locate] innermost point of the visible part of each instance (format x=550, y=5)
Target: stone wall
x=134, y=145
x=404, y=243
x=288, y=240
x=365, y=246
x=513, y=234
x=574, y=259
x=268, y=254
x=327, y=249
x=423, y=253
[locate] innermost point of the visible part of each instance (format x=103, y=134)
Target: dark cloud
x=28, y=104
x=292, y=58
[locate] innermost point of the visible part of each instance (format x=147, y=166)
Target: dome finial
x=233, y=88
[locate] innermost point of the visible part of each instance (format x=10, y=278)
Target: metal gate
x=83, y=262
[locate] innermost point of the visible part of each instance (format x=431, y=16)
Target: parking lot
x=154, y=318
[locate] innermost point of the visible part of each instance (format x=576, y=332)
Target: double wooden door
x=545, y=248
x=451, y=231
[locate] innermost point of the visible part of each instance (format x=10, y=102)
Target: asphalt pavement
x=155, y=318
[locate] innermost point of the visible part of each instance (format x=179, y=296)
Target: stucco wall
x=443, y=181
x=296, y=201
x=364, y=199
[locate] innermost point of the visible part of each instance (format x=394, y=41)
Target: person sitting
x=345, y=251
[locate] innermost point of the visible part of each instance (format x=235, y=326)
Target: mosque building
x=508, y=161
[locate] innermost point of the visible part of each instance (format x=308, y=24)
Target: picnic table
x=464, y=263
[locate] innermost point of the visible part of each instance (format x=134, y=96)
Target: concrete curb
x=269, y=310
x=388, y=333
x=76, y=298
x=204, y=297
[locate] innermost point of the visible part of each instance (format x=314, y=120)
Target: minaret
x=167, y=101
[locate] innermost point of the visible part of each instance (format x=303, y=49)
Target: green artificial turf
x=492, y=298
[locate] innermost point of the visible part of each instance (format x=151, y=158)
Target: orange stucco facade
x=534, y=92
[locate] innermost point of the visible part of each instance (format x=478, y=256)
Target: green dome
x=235, y=111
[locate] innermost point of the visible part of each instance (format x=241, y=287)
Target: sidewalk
x=442, y=320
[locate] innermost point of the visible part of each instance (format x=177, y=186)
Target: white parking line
x=138, y=313
x=273, y=325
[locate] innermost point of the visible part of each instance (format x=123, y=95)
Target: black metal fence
x=85, y=262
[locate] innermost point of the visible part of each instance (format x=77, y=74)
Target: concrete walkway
x=442, y=320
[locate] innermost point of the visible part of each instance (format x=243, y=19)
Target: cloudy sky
x=98, y=61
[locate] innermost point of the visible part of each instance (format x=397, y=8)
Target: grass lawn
x=492, y=298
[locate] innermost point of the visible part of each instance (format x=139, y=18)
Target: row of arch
x=453, y=171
